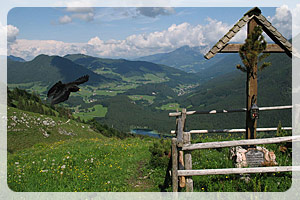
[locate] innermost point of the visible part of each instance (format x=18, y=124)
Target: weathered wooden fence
x=182, y=171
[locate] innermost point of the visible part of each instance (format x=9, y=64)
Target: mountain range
x=49, y=69
x=123, y=69
x=221, y=86
x=191, y=60
x=15, y=58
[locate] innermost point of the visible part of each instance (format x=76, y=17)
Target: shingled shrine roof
x=267, y=27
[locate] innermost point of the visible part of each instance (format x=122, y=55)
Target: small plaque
x=254, y=158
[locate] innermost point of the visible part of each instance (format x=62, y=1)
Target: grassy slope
x=26, y=129
x=83, y=161
x=88, y=161
x=78, y=165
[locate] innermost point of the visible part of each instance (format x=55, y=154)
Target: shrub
x=160, y=152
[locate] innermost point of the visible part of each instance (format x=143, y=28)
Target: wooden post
x=188, y=162
x=180, y=142
x=179, y=133
x=174, y=165
x=251, y=91
x=181, y=167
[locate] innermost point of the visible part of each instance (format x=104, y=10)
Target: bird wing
x=61, y=97
x=81, y=80
x=54, y=89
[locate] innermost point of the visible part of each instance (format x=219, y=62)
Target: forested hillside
x=141, y=70
x=228, y=92
x=48, y=70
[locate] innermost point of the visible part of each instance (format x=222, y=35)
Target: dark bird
x=60, y=92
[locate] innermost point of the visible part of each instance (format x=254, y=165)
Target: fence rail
x=176, y=114
x=210, y=145
x=237, y=170
x=241, y=130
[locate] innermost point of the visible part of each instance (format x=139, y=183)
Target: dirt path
x=142, y=183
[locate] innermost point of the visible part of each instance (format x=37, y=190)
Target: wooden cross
x=252, y=18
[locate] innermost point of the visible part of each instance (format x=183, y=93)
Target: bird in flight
x=60, y=92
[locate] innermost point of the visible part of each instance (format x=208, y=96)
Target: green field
x=148, y=98
x=147, y=78
x=81, y=165
x=108, y=92
x=37, y=87
x=99, y=111
x=169, y=106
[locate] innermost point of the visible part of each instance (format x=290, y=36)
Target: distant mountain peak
x=185, y=58
x=15, y=58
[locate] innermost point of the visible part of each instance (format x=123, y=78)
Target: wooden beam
x=272, y=36
x=241, y=130
x=251, y=89
x=211, y=145
x=237, y=170
x=174, y=165
x=180, y=132
x=188, y=162
x=181, y=167
x=273, y=48
x=275, y=108
x=175, y=114
x=235, y=48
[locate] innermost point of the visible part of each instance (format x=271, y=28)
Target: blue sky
x=123, y=32
x=111, y=23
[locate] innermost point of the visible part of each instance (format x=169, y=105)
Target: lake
x=147, y=132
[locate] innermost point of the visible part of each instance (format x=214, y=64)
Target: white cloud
x=28, y=49
x=12, y=33
x=84, y=16
x=136, y=45
x=133, y=46
x=78, y=10
x=155, y=11
x=282, y=21
x=65, y=19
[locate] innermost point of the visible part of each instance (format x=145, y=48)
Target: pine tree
x=252, y=52
x=21, y=104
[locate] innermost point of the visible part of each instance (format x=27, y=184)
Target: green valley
x=151, y=90
x=85, y=143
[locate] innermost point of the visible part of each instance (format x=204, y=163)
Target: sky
x=126, y=32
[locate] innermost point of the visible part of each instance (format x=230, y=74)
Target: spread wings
x=56, y=87
x=81, y=80
x=61, y=97
x=60, y=92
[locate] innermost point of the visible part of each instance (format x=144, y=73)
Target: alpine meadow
x=150, y=99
